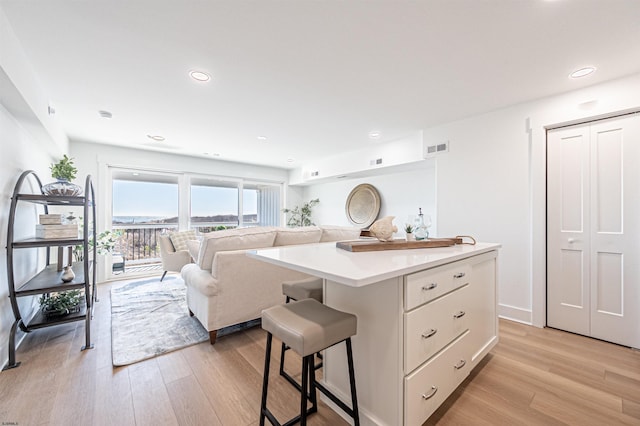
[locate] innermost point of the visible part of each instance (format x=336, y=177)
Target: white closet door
x=593, y=230
x=568, y=300
x=615, y=230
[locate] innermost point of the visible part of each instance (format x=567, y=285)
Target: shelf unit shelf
x=48, y=279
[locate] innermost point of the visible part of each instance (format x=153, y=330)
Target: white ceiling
x=315, y=77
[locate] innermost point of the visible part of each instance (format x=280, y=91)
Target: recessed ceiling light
x=216, y=154
x=156, y=138
x=582, y=72
x=374, y=134
x=290, y=160
x=105, y=114
x=199, y=75
x=262, y=138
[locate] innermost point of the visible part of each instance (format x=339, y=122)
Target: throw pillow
x=302, y=235
x=339, y=233
x=233, y=239
x=179, y=239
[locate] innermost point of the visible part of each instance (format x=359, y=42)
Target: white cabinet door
x=593, y=230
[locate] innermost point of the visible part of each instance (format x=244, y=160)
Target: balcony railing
x=140, y=242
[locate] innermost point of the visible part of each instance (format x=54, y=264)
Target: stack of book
x=51, y=227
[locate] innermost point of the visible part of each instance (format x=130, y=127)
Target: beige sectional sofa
x=225, y=287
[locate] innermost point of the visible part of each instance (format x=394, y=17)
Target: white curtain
x=269, y=205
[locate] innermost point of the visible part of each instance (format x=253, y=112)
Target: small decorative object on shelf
x=408, y=229
x=67, y=274
x=383, y=229
x=61, y=304
x=422, y=226
x=64, y=171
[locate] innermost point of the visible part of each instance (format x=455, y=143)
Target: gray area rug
x=150, y=318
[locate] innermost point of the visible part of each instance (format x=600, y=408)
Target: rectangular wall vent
x=433, y=150
x=375, y=162
x=314, y=174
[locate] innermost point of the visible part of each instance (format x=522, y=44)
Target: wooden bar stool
x=308, y=288
x=307, y=326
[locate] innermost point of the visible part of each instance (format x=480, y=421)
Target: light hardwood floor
x=533, y=377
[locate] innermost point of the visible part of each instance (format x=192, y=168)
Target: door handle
x=461, y=364
x=572, y=240
x=459, y=314
x=459, y=275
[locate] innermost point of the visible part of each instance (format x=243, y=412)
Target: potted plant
x=61, y=303
x=408, y=229
x=301, y=216
x=106, y=241
x=64, y=172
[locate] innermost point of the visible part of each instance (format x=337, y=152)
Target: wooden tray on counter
x=375, y=245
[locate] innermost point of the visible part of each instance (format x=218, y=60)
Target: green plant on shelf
x=64, y=169
x=60, y=303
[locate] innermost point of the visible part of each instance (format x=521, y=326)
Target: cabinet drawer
x=433, y=326
x=424, y=286
x=431, y=384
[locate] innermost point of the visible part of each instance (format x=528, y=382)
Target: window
x=214, y=204
x=144, y=206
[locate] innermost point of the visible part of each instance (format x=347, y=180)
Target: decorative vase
x=383, y=229
x=410, y=236
x=422, y=229
x=67, y=274
x=62, y=187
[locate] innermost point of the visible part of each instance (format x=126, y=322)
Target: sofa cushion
x=233, y=239
x=179, y=239
x=339, y=233
x=193, y=246
x=302, y=235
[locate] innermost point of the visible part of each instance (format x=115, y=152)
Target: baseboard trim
x=524, y=316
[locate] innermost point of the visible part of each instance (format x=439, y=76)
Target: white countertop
x=327, y=261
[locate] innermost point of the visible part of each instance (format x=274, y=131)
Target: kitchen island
x=426, y=317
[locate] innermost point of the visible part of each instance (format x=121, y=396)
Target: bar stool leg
x=352, y=383
x=265, y=380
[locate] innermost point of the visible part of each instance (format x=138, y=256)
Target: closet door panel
x=568, y=299
x=615, y=192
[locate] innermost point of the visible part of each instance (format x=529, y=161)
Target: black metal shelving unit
x=48, y=279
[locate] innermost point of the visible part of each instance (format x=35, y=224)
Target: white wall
x=492, y=183
x=401, y=193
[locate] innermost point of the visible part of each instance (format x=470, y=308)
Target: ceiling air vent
x=376, y=162
x=315, y=174
x=433, y=150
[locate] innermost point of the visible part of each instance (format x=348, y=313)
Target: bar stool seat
x=307, y=326
x=309, y=288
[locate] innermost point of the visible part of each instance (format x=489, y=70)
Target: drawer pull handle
x=429, y=333
x=430, y=286
x=459, y=275
x=459, y=314
x=434, y=389
x=461, y=364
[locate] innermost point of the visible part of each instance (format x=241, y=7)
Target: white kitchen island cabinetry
x=426, y=317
